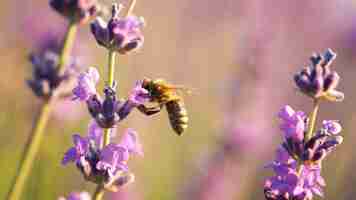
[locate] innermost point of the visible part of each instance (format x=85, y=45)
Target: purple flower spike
x=331, y=126
x=131, y=143
x=318, y=80
x=86, y=87
x=45, y=77
x=77, y=196
x=113, y=158
x=122, y=35
x=293, y=123
x=81, y=147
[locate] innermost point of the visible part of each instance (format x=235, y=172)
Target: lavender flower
x=46, y=77
x=105, y=112
x=77, y=196
x=298, y=161
x=87, y=82
x=113, y=157
x=317, y=80
x=76, y=153
x=314, y=150
x=122, y=35
x=110, y=110
x=291, y=183
x=80, y=11
x=332, y=127
x=293, y=124
x=138, y=95
x=107, y=164
x=131, y=142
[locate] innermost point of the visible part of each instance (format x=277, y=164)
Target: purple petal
x=332, y=126
x=293, y=124
x=131, y=142
x=112, y=158
x=286, y=113
x=282, y=155
x=100, y=31
x=81, y=147
x=86, y=84
x=70, y=156
x=81, y=144
x=139, y=95
x=95, y=132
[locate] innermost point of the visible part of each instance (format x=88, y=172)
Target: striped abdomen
x=178, y=116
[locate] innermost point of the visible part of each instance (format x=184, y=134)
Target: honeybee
x=167, y=95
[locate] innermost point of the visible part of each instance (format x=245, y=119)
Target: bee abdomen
x=178, y=116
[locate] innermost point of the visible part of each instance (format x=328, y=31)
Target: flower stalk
x=99, y=191
x=299, y=159
x=67, y=46
x=312, y=119
x=111, y=68
x=34, y=143
x=131, y=7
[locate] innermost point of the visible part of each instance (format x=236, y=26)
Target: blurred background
x=238, y=56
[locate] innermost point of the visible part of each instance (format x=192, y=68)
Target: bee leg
x=149, y=110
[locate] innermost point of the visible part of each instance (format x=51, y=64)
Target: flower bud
x=317, y=80
x=122, y=35
x=104, y=112
x=45, y=75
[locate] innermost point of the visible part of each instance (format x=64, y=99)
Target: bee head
x=153, y=87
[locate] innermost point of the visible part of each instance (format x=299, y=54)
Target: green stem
x=312, y=120
x=106, y=136
x=30, y=152
x=131, y=7
x=67, y=46
x=34, y=142
x=99, y=193
x=111, y=68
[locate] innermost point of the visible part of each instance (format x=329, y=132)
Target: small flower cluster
x=106, y=165
x=121, y=35
x=298, y=161
x=293, y=181
x=46, y=77
x=45, y=74
x=109, y=110
x=317, y=80
x=98, y=159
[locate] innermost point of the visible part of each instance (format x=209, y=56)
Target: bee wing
x=185, y=90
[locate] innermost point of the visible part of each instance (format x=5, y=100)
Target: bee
x=166, y=95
